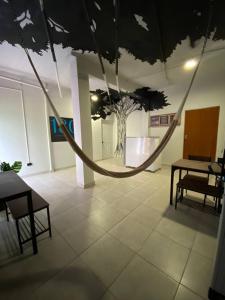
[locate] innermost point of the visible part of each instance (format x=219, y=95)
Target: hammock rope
x=92, y=28
x=116, y=21
x=90, y=163
x=50, y=40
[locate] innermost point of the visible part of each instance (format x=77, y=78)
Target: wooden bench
x=19, y=212
x=199, y=186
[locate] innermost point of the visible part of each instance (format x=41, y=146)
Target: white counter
x=138, y=149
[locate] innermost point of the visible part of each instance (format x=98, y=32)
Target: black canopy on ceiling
x=140, y=22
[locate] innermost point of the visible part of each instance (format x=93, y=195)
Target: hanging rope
x=93, y=34
x=91, y=164
x=116, y=21
x=49, y=36
x=160, y=34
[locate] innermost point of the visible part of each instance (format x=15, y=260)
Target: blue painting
x=56, y=132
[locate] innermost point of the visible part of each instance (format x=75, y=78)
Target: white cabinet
x=138, y=149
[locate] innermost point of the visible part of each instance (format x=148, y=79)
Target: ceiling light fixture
x=190, y=64
x=94, y=98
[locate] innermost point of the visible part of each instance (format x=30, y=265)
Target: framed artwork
x=162, y=120
x=171, y=118
x=56, y=132
x=154, y=121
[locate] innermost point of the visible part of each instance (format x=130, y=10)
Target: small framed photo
x=154, y=121
x=164, y=120
x=171, y=118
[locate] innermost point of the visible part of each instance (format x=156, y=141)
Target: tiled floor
x=119, y=240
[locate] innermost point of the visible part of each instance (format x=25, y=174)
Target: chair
x=189, y=176
x=190, y=182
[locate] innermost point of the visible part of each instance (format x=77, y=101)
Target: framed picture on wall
x=154, y=121
x=56, y=132
x=171, y=119
x=164, y=120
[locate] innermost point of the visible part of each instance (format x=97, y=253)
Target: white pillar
x=82, y=122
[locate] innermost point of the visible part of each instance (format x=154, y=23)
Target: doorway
x=200, y=132
x=107, y=139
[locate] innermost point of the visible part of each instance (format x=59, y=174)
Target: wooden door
x=200, y=132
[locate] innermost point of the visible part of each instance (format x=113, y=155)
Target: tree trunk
x=121, y=135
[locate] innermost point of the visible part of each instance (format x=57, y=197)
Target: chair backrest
x=222, y=163
x=201, y=158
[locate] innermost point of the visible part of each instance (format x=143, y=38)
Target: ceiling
x=145, y=26
x=13, y=60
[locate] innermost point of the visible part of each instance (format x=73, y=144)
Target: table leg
x=171, y=185
x=180, y=174
x=32, y=224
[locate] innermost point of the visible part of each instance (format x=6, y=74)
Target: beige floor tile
x=147, y=216
x=142, y=281
x=126, y=203
x=184, y=215
x=107, y=217
x=139, y=193
x=59, y=206
x=68, y=219
x=20, y=276
x=205, y=245
x=185, y=294
x=109, y=195
x=131, y=233
x=180, y=233
x=50, y=250
x=75, y=282
x=198, y=273
x=107, y=258
x=166, y=255
x=90, y=205
x=83, y=235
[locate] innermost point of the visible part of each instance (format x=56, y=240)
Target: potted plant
x=16, y=166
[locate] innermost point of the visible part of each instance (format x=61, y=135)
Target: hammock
x=90, y=163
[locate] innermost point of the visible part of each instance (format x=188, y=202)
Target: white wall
x=203, y=94
x=137, y=124
x=36, y=127
x=37, y=119
x=62, y=154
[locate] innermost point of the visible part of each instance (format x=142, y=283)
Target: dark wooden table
x=13, y=187
x=194, y=166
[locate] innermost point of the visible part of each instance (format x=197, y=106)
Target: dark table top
x=11, y=185
x=198, y=166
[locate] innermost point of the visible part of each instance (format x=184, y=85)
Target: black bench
x=19, y=212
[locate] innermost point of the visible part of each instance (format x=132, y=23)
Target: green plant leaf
x=16, y=167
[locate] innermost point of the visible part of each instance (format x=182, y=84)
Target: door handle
x=185, y=136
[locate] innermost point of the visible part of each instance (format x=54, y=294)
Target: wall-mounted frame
x=162, y=120
x=56, y=132
x=154, y=121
